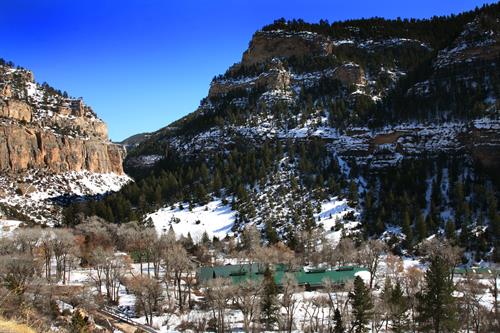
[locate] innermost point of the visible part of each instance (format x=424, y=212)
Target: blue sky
x=143, y=64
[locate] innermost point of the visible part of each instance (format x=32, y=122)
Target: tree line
x=39, y=267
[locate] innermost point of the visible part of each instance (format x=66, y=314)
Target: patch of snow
x=46, y=192
x=364, y=275
x=7, y=227
x=215, y=218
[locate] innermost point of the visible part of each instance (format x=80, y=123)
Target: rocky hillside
x=50, y=144
x=362, y=93
x=399, y=117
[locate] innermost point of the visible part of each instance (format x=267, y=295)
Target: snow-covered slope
x=214, y=218
x=41, y=196
x=217, y=219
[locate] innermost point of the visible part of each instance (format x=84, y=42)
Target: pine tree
x=188, y=242
x=450, y=231
x=269, y=303
x=339, y=325
x=353, y=192
x=217, y=183
x=362, y=306
x=205, y=240
x=406, y=229
x=421, y=228
x=436, y=305
x=271, y=234
x=379, y=226
x=398, y=306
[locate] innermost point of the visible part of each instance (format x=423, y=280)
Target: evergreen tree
x=353, y=192
x=339, y=325
x=398, y=306
x=269, y=304
x=205, y=240
x=362, y=306
x=271, y=234
x=379, y=226
x=188, y=242
x=421, y=228
x=450, y=231
x=437, y=310
x=406, y=229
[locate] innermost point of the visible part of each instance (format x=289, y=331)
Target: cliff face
x=52, y=148
x=24, y=147
x=42, y=129
x=263, y=46
x=376, y=99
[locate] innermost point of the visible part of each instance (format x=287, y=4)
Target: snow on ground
x=98, y=183
x=306, y=299
x=414, y=137
x=43, y=193
x=7, y=227
x=332, y=213
x=364, y=275
x=215, y=218
x=79, y=276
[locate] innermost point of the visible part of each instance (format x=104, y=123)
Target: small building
x=310, y=279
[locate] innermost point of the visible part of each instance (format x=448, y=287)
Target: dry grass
x=13, y=327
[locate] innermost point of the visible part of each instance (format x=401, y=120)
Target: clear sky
x=143, y=64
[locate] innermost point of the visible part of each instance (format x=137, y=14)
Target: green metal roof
x=476, y=270
x=311, y=278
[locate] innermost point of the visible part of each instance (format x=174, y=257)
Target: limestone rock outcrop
x=42, y=128
x=266, y=45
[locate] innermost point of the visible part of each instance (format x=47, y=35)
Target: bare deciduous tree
x=395, y=267
x=289, y=301
x=369, y=256
x=177, y=264
x=413, y=280
x=108, y=272
x=46, y=250
x=149, y=295
x=345, y=252
x=16, y=271
x=472, y=293
x=218, y=293
x=247, y=299
x=63, y=243
x=27, y=238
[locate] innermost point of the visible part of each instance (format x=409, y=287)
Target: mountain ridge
x=276, y=78
x=361, y=111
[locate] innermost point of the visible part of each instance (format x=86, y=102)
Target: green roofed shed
x=313, y=278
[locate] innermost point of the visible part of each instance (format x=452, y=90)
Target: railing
x=118, y=316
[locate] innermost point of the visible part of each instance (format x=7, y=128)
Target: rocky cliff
x=40, y=128
x=47, y=133
x=373, y=95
